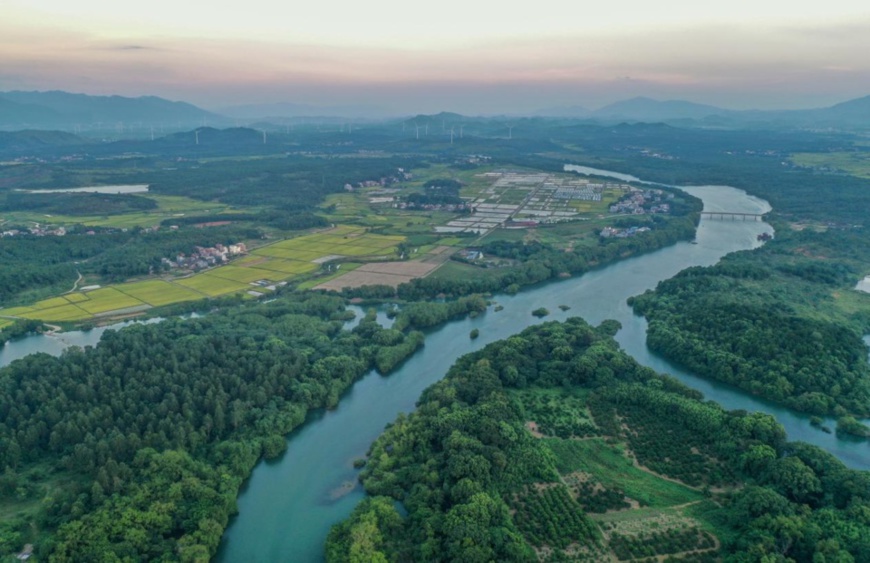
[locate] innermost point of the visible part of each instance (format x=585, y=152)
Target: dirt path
x=76, y=284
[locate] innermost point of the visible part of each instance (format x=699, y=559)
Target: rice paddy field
x=157, y=292
x=278, y=262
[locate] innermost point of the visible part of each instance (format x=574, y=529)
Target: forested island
x=554, y=445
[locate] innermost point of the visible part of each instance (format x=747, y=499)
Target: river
x=288, y=505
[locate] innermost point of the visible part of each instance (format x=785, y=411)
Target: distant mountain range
x=847, y=115
x=92, y=115
x=57, y=109
x=286, y=109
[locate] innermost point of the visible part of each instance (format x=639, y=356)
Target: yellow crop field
x=75, y=297
x=63, y=313
x=159, y=292
x=288, y=267
x=107, y=299
x=354, y=250
x=5, y=322
x=243, y=274
x=17, y=311
x=212, y=285
x=289, y=253
x=340, y=241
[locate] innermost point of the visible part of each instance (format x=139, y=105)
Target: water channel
x=288, y=505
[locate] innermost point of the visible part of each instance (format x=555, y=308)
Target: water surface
x=288, y=506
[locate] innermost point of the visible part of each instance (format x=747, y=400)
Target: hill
x=647, y=109
x=29, y=141
x=62, y=109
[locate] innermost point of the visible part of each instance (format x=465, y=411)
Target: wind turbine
x=510, y=131
x=417, y=129
x=460, y=130
x=264, y=136
x=197, y=136
x=451, y=135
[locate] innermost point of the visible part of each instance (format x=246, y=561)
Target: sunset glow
x=452, y=55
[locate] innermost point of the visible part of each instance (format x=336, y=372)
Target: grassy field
x=609, y=465
x=5, y=322
x=167, y=207
x=855, y=163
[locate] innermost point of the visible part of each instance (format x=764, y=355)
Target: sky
x=469, y=56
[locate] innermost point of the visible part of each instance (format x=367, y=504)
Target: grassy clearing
x=167, y=207
x=854, y=163
x=609, y=465
x=5, y=322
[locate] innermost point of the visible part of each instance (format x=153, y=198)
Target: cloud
x=730, y=64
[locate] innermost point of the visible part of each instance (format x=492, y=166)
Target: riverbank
x=285, y=508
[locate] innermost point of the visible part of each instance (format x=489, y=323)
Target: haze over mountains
x=81, y=112
x=850, y=114
x=58, y=109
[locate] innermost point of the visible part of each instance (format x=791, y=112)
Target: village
x=202, y=258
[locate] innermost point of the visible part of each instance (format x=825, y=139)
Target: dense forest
x=781, y=321
x=519, y=454
x=549, y=445
x=136, y=449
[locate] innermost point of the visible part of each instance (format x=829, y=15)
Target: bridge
x=733, y=215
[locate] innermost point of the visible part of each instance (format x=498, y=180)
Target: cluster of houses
x=474, y=159
x=452, y=207
x=643, y=201
x=653, y=154
x=400, y=176
x=470, y=254
x=36, y=231
x=589, y=192
x=202, y=258
x=611, y=232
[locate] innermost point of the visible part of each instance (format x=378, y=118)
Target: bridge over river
x=733, y=215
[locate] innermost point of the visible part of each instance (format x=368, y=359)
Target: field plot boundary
x=379, y=273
